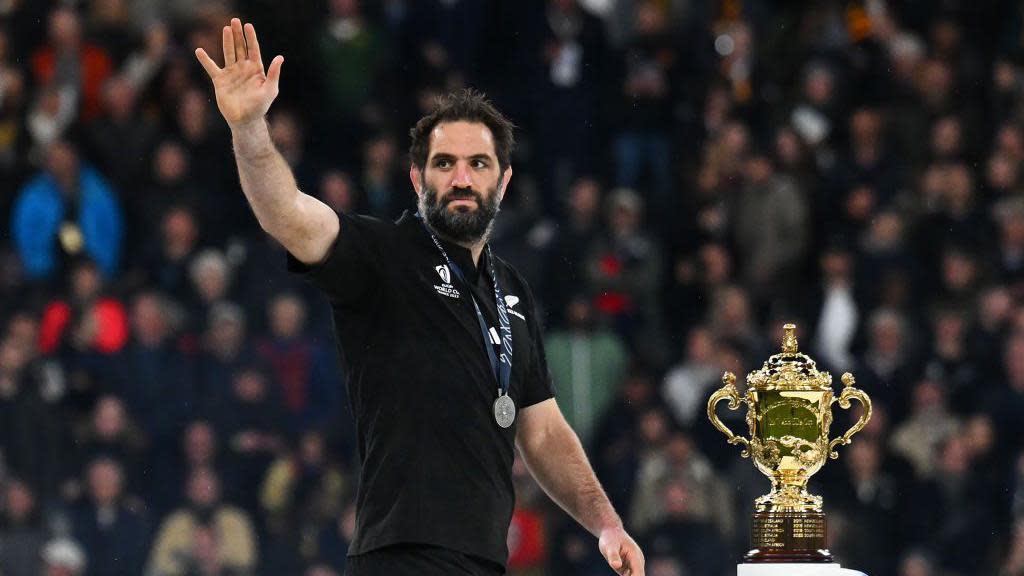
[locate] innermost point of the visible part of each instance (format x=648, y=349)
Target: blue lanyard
x=501, y=365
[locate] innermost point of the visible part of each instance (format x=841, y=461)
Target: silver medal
x=504, y=411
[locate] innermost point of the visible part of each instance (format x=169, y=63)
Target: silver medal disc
x=504, y=411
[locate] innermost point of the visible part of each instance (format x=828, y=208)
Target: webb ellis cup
x=789, y=411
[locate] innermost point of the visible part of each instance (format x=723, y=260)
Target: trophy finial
x=789, y=345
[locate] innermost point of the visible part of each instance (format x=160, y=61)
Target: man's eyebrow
x=448, y=156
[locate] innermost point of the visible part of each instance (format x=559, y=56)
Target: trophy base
x=788, y=537
x=794, y=570
x=757, y=556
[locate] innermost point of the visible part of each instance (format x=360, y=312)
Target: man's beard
x=462, y=224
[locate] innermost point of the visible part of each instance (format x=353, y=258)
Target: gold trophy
x=789, y=411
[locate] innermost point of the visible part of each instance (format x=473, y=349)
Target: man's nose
x=461, y=178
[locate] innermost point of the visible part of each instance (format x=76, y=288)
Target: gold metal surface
x=789, y=413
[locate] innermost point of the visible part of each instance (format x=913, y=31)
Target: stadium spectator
x=300, y=365
x=205, y=536
x=109, y=527
x=303, y=491
x=71, y=64
x=252, y=424
x=89, y=321
x=22, y=532
x=67, y=211
x=683, y=541
x=589, y=361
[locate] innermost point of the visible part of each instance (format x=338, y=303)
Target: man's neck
x=476, y=248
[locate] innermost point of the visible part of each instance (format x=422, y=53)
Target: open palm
x=244, y=90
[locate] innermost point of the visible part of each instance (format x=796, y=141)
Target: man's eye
x=443, y=163
x=479, y=164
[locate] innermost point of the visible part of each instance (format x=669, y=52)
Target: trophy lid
x=789, y=369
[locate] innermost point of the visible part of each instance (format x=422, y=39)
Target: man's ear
x=505, y=177
x=416, y=176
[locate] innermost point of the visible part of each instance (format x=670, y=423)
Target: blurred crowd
x=690, y=175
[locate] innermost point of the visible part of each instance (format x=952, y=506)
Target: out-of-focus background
x=691, y=174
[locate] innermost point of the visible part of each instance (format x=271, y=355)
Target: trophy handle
x=850, y=393
x=728, y=392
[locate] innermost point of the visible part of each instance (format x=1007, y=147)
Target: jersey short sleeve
x=353, y=263
x=538, y=386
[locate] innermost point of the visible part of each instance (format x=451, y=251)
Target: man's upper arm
x=317, y=227
x=345, y=264
x=536, y=422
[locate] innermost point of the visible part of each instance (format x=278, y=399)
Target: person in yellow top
x=206, y=536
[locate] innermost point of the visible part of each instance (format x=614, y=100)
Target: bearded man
x=439, y=337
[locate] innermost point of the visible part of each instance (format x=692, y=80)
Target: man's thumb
x=614, y=560
x=274, y=71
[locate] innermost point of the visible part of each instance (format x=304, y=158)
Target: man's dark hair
x=466, y=105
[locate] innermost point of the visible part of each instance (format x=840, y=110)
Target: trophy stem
x=789, y=495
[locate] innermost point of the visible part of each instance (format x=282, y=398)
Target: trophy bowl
x=789, y=413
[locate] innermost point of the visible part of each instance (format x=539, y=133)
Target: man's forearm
x=560, y=466
x=267, y=181
x=305, y=226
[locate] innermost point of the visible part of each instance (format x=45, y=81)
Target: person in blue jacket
x=66, y=212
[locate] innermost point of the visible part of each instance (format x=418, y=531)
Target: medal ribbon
x=501, y=365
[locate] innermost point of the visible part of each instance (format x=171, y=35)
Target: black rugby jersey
x=436, y=467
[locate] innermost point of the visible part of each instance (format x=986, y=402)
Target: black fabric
x=419, y=560
x=436, y=467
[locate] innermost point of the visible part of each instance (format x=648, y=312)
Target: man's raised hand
x=244, y=90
